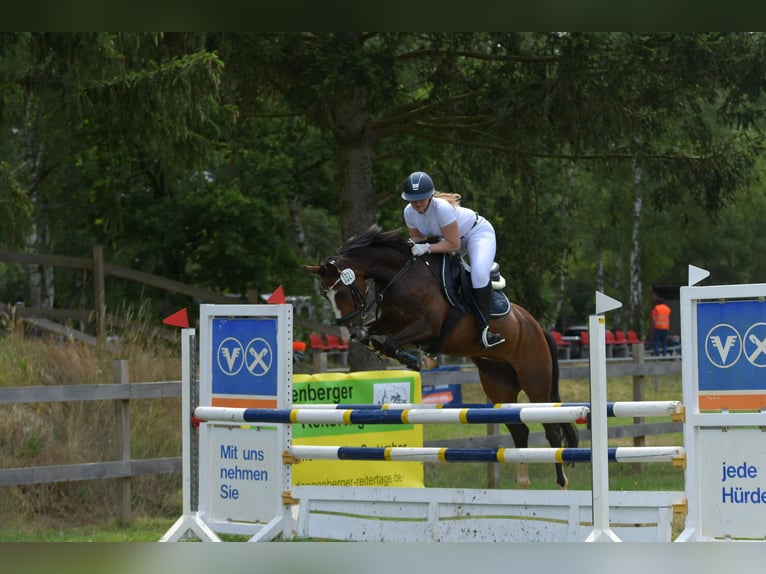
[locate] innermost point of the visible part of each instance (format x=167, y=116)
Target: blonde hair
x=453, y=198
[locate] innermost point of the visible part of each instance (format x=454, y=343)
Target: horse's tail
x=571, y=436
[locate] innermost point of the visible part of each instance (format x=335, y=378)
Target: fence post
x=638, y=395
x=319, y=361
x=98, y=292
x=122, y=441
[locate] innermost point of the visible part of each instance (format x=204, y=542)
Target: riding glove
x=420, y=249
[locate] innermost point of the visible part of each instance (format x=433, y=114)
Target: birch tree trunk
x=566, y=208
x=635, y=307
x=40, y=280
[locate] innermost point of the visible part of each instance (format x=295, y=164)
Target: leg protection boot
x=483, y=300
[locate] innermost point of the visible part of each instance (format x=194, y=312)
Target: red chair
x=620, y=342
x=610, y=343
x=632, y=337
x=336, y=348
x=585, y=343
x=317, y=343
x=565, y=347
x=335, y=344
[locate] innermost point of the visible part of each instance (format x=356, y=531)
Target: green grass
x=143, y=529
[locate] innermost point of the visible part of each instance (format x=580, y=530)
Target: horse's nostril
x=358, y=334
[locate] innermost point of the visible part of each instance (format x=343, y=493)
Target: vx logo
x=258, y=357
x=230, y=356
x=755, y=345
x=723, y=345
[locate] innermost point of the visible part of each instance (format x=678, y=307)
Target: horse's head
x=346, y=290
x=373, y=255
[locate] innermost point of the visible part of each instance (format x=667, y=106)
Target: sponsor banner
x=442, y=394
x=733, y=482
x=731, y=341
x=368, y=387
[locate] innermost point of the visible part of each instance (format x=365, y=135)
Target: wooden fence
x=52, y=319
x=123, y=467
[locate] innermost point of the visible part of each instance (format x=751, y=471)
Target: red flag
x=177, y=319
x=277, y=297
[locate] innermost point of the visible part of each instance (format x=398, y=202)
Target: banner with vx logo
x=731, y=339
x=245, y=356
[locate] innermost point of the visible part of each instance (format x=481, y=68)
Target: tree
x=93, y=117
x=152, y=143
x=488, y=112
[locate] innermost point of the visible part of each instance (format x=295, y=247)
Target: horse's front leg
x=389, y=349
x=415, y=332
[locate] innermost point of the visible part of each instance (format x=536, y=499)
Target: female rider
x=438, y=226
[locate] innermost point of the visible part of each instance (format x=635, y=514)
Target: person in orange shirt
x=660, y=327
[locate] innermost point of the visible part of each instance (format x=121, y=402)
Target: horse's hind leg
x=520, y=434
x=501, y=386
x=554, y=436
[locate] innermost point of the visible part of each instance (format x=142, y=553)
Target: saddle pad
x=455, y=290
x=500, y=304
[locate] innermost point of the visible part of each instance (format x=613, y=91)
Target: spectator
x=660, y=327
x=299, y=349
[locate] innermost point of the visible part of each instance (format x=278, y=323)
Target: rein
x=360, y=303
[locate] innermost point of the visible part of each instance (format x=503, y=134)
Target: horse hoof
x=427, y=363
x=408, y=360
x=523, y=483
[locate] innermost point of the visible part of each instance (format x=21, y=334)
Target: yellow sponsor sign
x=359, y=388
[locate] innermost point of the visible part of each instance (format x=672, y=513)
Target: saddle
x=456, y=281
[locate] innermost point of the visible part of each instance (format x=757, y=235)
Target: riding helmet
x=417, y=186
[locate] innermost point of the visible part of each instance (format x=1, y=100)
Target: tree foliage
x=229, y=159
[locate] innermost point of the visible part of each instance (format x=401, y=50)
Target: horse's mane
x=374, y=236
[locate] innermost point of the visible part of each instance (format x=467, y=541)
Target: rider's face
x=421, y=205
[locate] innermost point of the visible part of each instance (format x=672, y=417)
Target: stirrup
x=490, y=339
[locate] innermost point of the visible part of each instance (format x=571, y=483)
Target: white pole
x=190, y=521
x=599, y=438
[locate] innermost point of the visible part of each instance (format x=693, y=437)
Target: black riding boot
x=483, y=301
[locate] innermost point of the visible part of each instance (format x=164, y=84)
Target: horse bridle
x=347, y=276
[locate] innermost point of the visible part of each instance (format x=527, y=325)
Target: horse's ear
x=311, y=268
